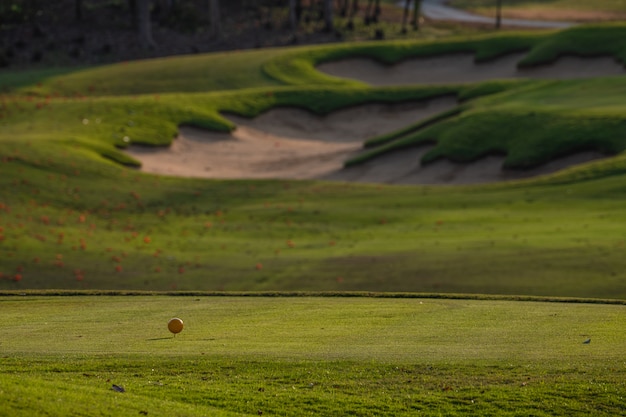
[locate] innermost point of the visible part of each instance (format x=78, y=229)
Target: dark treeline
x=42, y=27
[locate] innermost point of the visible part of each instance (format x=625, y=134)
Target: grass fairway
x=75, y=214
x=309, y=356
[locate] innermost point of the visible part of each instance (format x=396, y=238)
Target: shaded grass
x=588, y=40
x=179, y=74
x=212, y=235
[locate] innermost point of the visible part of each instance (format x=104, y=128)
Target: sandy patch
x=461, y=68
x=282, y=143
x=290, y=143
x=404, y=167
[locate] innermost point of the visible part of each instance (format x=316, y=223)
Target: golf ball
x=175, y=325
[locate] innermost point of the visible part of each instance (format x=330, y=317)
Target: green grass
x=531, y=125
x=210, y=235
x=180, y=74
x=309, y=356
x=72, y=217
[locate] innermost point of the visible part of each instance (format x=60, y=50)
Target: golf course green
x=316, y=295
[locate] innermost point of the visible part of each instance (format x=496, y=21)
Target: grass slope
x=95, y=226
x=309, y=356
x=531, y=125
x=72, y=219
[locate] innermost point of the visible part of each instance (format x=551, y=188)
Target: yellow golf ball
x=175, y=325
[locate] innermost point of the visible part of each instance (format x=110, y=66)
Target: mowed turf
x=309, y=356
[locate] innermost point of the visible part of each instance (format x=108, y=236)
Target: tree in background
x=354, y=9
x=498, y=14
x=215, y=20
x=405, y=16
x=144, y=23
x=328, y=15
x=293, y=15
x=417, y=7
x=78, y=10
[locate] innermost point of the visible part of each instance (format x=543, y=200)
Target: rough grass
x=309, y=356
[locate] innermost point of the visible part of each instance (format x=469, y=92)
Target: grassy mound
x=531, y=125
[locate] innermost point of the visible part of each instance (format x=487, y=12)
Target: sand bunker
x=404, y=167
x=295, y=144
x=461, y=68
x=282, y=143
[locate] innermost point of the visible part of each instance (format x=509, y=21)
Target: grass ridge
x=318, y=294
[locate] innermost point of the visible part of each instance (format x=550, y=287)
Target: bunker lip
x=291, y=143
x=461, y=68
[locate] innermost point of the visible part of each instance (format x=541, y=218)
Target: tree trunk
x=368, y=12
x=354, y=9
x=417, y=8
x=132, y=8
x=79, y=10
x=293, y=18
x=377, y=11
x=298, y=11
x=144, y=24
x=168, y=6
x=215, y=21
x=498, y=14
x=343, y=7
x=405, y=17
x=328, y=15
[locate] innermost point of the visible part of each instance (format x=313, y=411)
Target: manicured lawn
x=310, y=356
x=75, y=215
